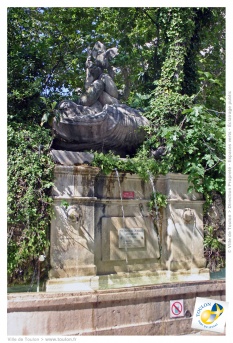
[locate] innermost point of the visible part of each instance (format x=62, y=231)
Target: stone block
x=177, y=188
x=111, y=188
x=186, y=237
x=70, y=158
x=110, y=239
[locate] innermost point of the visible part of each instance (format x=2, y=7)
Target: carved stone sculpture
x=98, y=121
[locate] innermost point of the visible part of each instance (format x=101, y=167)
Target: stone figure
x=97, y=61
x=98, y=121
x=99, y=85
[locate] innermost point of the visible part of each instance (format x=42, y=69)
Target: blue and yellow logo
x=209, y=316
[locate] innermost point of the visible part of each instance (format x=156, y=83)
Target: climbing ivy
x=214, y=251
x=30, y=173
x=194, y=144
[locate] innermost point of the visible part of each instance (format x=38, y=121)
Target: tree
x=183, y=123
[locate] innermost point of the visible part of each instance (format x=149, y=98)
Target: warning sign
x=176, y=308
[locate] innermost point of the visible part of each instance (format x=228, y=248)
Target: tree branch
x=216, y=111
x=153, y=21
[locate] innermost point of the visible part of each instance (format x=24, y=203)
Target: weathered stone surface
x=69, y=158
x=70, y=109
x=109, y=85
x=118, y=128
x=72, y=244
x=175, y=246
x=106, y=99
x=132, y=311
x=92, y=94
x=96, y=107
x=111, y=234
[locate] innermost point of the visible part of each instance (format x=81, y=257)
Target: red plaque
x=128, y=195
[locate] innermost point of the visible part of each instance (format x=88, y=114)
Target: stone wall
x=127, y=311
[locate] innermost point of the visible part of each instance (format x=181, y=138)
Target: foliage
x=193, y=135
x=157, y=200
x=29, y=203
x=47, y=49
x=195, y=145
x=64, y=204
x=46, y=56
x=50, y=112
x=142, y=164
x=214, y=251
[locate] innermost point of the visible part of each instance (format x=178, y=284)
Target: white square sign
x=176, y=308
x=209, y=315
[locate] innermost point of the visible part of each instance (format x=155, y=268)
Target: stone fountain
x=102, y=234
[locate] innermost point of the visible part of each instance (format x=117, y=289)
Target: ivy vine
x=30, y=175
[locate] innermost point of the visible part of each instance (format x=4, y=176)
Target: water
x=154, y=193
x=157, y=218
x=122, y=207
x=123, y=215
x=192, y=257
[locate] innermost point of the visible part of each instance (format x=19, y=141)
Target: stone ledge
x=77, y=198
x=73, y=169
x=129, y=311
x=42, y=300
x=70, y=158
x=185, y=201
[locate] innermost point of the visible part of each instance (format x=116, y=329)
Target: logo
x=209, y=315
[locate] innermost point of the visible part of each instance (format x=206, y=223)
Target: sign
x=131, y=238
x=128, y=195
x=176, y=308
x=210, y=315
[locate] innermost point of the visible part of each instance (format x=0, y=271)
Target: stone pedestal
x=184, y=225
x=103, y=235
x=73, y=226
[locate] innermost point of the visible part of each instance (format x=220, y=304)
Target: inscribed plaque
x=131, y=238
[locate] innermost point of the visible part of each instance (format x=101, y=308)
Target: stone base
x=122, y=280
x=103, y=234
x=70, y=158
x=143, y=310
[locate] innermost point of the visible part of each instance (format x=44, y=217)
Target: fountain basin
x=142, y=310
